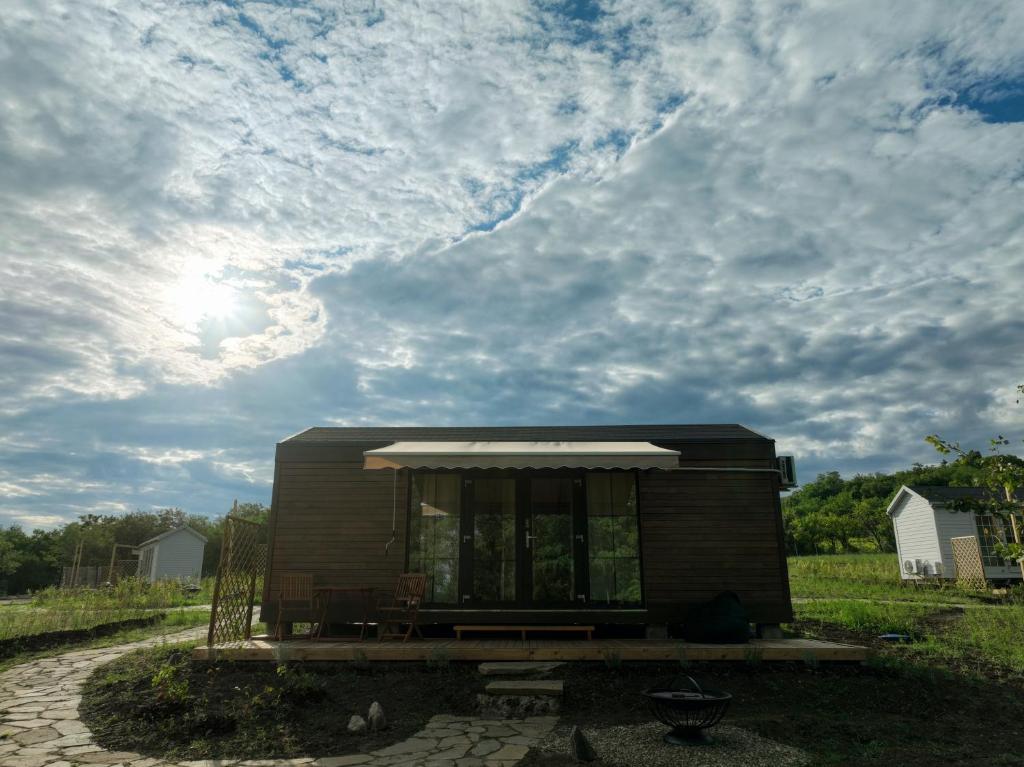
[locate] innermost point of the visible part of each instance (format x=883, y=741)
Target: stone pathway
x=39, y=725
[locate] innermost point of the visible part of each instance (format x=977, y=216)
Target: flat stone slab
x=517, y=667
x=525, y=687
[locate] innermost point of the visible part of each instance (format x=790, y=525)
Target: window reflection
x=494, y=540
x=434, y=534
x=614, y=541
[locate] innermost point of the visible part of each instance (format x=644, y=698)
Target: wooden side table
x=325, y=594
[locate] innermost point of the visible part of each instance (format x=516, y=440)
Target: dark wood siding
x=333, y=519
x=706, y=532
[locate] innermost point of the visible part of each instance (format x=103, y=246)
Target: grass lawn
x=170, y=622
x=55, y=610
x=866, y=576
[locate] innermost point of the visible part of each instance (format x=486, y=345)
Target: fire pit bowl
x=688, y=710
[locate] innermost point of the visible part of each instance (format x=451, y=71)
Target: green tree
x=1002, y=475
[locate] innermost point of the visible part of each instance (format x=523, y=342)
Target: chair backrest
x=411, y=588
x=297, y=587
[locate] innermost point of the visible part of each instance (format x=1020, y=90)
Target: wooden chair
x=403, y=608
x=296, y=602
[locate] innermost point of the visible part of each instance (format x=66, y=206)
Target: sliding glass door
x=549, y=542
x=527, y=541
x=489, y=546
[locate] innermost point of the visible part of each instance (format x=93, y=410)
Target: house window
x=993, y=531
x=434, y=534
x=614, y=549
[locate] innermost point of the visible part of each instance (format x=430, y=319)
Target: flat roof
x=713, y=432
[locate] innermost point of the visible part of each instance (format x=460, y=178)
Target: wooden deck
x=262, y=649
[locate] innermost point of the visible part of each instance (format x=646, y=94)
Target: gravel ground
x=641, y=744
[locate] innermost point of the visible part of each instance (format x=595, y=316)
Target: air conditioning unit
x=787, y=470
x=937, y=568
x=910, y=566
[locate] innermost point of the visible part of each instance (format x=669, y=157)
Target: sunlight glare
x=198, y=297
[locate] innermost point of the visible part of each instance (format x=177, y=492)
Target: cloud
x=223, y=222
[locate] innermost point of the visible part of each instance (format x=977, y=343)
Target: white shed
x=176, y=555
x=924, y=524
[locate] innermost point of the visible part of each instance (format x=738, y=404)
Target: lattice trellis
x=121, y=569
x=970, y=570
x=242, y=561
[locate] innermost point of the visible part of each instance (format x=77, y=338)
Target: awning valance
x=521, y=455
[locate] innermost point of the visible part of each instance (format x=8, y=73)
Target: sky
x=224, y=222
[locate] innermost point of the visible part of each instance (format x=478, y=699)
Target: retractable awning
x=521, y=455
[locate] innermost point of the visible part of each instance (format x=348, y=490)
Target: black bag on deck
x=720, y=621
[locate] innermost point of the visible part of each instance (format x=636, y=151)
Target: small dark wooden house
x=535, y=525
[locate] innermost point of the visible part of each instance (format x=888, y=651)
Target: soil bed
x=160, y=703
x=843, y=715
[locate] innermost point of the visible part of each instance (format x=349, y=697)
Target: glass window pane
x=494, y=543
x=613, y=538
x=602, y=580
x=623, y=493
x=624, y=535
x=627, y=581
x=434, y=533
x=599, y=495
x=602, y=537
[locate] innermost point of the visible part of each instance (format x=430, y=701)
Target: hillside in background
x=832, y=514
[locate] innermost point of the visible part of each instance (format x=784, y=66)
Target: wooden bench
x=589, y=630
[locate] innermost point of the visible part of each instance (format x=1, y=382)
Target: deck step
x=517, y=668
x=525, y=687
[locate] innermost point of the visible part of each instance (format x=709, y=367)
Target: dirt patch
x=160, y=703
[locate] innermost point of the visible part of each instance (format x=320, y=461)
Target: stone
x=208, y=763
x=31, y=724
x=38, y=735
x=509, y=753
x=485, y=747
x=453, y=752
x=412, y=745
x=76, y=750
x=525, y=687
x=26, y=761
x=516, y=706
x=78, y=739
x=515, y=667
x=499, y=731
x=106, y=757
x=343, y=761
x=61, y=713
x=579, y=746
x=376, y=719
x=356, y=724
x=69, y=727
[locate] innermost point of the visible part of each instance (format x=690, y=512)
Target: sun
x=198, y=297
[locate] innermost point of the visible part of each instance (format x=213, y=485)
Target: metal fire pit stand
x=689, y=711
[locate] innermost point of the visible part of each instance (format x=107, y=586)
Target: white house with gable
x=176, y=555
x=924, y=524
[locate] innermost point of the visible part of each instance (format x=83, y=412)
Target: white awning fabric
x=521, y=455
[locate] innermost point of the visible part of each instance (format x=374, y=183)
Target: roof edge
x=751, y=435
